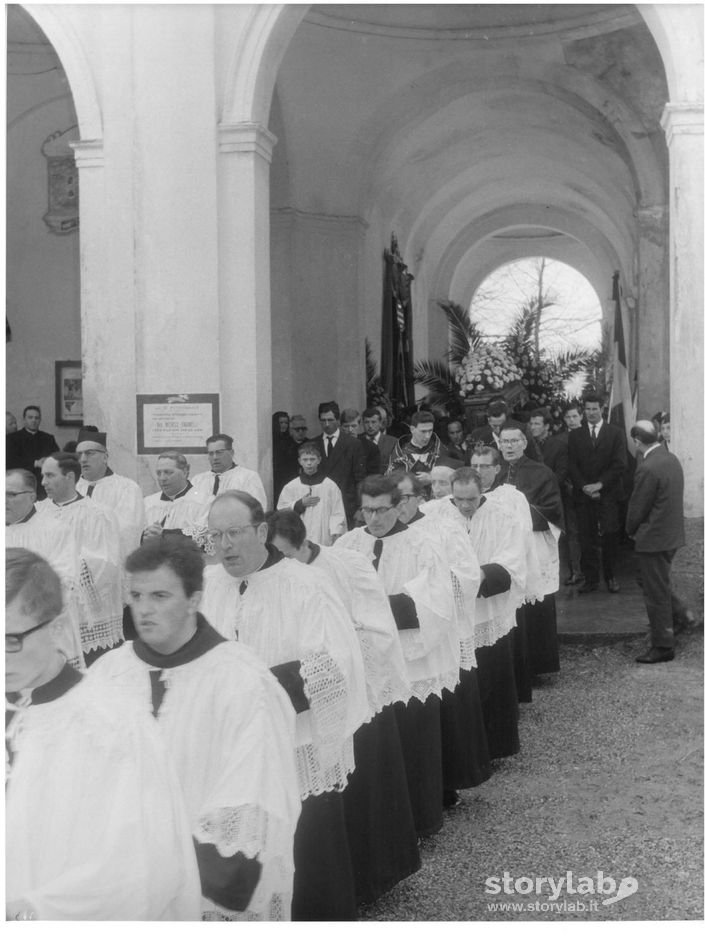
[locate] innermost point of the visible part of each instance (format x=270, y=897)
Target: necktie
x=243, y=587
x=90, y=490
x=216, y=484
x=594, y=436
x=158, y=690
x=377, y=552
x=329, y=446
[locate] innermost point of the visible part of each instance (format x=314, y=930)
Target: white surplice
x=187, y=513
x=413, y=564
x=324, y=521
x=89, y=533
x=95, y=823
x=288, y=613
x=465, y=575
x=498, y=535
x=229, y=730
x=364, y=597
x=123, y=497
x=237, y=478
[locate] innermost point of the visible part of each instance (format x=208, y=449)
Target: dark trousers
x=655, y=570
x=598, y=528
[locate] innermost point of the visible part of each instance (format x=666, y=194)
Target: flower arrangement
x=543, y=382
x=486, y=368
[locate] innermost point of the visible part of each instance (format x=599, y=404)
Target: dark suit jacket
x=655, y=513
x=385, y=445
x=554, y=454
x=372, y=456
x=23, y=448
x=606, y=463
x=346, y=467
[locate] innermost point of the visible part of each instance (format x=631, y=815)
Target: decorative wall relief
x=62, y=215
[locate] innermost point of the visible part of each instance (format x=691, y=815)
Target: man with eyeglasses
x=117, y=493
x=285, y=455
x=95, y=823
x=291, y=617
x=415, y=576
x=540, y=487
x=487, y=463
x=225, y=474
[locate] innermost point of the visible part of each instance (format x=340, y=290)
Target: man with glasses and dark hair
x=540, y=487
x=119, y=494
x=225, y=474
x=416, y=580
x=95, y=823
x=291, y=617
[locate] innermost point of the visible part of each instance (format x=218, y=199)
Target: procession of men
x=259, y=709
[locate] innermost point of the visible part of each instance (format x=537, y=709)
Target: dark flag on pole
x=622, y=406
x=397, y=371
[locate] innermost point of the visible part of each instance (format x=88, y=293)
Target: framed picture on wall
x=69, y=393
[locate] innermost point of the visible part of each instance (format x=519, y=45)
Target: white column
x=244, y=158
x=683, y=124
x=652, y=327
x=107, y=326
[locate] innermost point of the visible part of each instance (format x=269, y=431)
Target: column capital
x=652, y=215
x=246, y=137
x=88, y=153
x=682, y=117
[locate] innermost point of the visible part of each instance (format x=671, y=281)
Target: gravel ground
x=609, y=778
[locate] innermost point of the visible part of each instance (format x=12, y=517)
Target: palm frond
x=570, y=361
x=439, y=378
x=464, y=334
x=521, y=332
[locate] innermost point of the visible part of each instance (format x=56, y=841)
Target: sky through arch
x=573, y=318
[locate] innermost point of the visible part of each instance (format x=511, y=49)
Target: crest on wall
x=62, y=214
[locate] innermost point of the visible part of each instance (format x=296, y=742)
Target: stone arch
x=55, y=24
x=678, y=34
x=252, y=69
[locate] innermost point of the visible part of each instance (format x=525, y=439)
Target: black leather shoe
x=613, y=586
x=657, y=654
x=588, y=587
x=451, y=798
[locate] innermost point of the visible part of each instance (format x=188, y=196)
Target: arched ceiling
x=435, y=119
